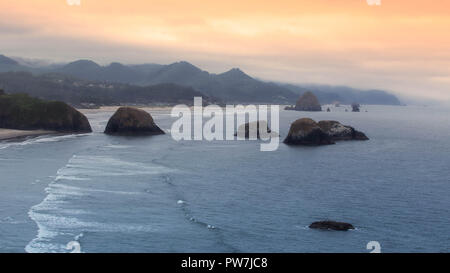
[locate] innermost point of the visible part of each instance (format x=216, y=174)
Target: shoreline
x=18, y=135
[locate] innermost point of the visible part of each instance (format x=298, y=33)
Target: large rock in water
x=331, y=225
x=306, y=131
x=308, y=102
x=132, y=121
x=337, y=131
x=22, y=112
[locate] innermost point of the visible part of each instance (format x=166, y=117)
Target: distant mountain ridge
x=233, y=86
x=82, y=92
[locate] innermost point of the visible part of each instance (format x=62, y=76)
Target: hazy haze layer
x=401, y=45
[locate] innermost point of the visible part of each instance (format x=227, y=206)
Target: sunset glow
x=403, y=46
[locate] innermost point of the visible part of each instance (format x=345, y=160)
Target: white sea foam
x=112, y=146
x=60, y=215
x=39, y=140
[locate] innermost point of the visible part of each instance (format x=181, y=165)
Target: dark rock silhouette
x=338, y=131
x=355, y=107
x=22, y=112
x=306, y=131
x=132, y=121
x=331, y=225
x=308, y=102
x=248, y=129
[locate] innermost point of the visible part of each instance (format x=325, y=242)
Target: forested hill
x=79, y=92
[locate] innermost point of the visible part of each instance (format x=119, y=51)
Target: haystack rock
x=306, y=131
x=338, y=131
x=340, y=226
x=132, y=121
x=308, y=102
x=252, y=129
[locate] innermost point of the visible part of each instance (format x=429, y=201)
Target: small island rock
x=132, y=121
x=308, y=102
x=306, y=131
x=355, y=107
x=331, y=225
x=248, y=129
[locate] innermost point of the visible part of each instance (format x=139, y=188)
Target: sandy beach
x=9, y=134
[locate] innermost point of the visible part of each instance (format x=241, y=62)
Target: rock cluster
x=306, y=131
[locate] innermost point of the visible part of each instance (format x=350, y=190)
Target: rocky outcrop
x=308, y=102
x=337, y=131
x=355, y=107
x=22, y=112
x=306, y=131
x=331, y=225
x=132, y=121
x=253, y=129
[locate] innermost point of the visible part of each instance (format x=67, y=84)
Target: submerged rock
x=132, y=121
x=251, y=129
x=306, y=131
x=338, y=131
x=308, y=102
x=340, y=226
x=22, y=112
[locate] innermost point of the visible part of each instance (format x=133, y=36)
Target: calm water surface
x=153, y=194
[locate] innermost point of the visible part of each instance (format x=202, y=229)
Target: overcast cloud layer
x=402, y=46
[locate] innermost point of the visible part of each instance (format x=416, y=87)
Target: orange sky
x=402, y=45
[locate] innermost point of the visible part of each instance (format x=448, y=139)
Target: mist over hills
x=345, y=95
x=233, y=86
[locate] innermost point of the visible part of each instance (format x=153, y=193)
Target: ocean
x=154, y=194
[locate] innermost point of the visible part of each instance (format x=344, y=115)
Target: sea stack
x=252, y=129
x=338, y=131
x=306, y=131
x=308, y=102
x=355, y=107
x=22, y=112
x=331, y=225
x=131, y=121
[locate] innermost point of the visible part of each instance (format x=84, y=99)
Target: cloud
x=400, y=45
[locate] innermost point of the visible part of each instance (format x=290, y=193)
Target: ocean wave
x=40, y=140
x=59, y=214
